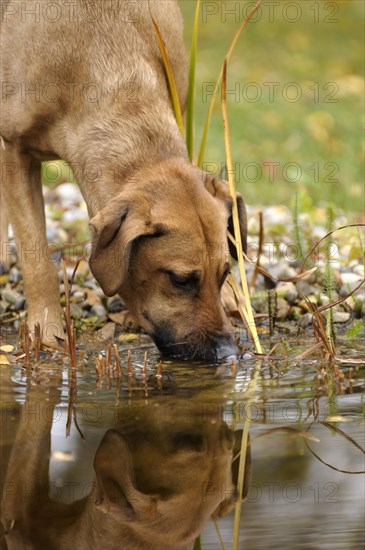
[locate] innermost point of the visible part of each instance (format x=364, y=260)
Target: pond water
x=161, y=442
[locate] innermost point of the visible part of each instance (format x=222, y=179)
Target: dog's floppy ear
x=220, y=189
x=116, y=492
x=115, y=228
x=227, y=504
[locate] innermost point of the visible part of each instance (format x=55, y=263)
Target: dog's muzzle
x=196, y=347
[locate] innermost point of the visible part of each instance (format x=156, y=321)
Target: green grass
x=322, y=139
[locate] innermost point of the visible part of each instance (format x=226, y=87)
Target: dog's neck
x=106, y=151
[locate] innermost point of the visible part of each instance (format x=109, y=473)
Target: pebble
x=75, y=215
x=305, y=320
x=3, y=269
x=324, y=299
x=341, y=316
x=283, y=309
x=281, y=270
x=65, y=208
x=78, y=297
x=350, y=278
x=13, y=297
x=68, y=194
x=359, y=270
x=287, y=291
x=76, y=311
x=15, y=275
x=296, y=312
x=99, y=311
x=260, y=302
x=114, y=304
x=349, y=287
x=304, y=288
x=107, y=332
x=69, y=272
x=56, y=236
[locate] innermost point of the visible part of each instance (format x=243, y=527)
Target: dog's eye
x=184, y=282
x=189, y=442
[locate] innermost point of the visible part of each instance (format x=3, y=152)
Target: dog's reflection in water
x=160, y=474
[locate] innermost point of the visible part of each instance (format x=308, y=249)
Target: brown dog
x=84, y=81
x=159, y=478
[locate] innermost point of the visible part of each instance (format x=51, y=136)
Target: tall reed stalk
x=246, y=309
x=191, y=91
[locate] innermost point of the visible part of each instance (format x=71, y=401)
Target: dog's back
x=61, y=55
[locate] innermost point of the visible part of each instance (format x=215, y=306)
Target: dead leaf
x=4, y=360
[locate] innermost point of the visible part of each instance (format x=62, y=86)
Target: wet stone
x=99, y=311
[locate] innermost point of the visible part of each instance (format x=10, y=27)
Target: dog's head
x=168, y=470
x=162, y=245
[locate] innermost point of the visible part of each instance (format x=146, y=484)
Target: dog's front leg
x=22, y=192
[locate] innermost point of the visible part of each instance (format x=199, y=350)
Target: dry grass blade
x=307, y=352
x=320, y=329
x=260, y=269
x=37, y=341
x=191, y=91
x=71, y=400
x=70, y=329
x=330, y=465
x=212, y=101
x=275, y=347
x=170, y=76
x=117, y=360
x=326, y=236
x=344, y=434
x=248, y=314
x=304, y=435
x=259, y=253
x=341, y=300
x=221, y=542
x=251, y=394
x=129, y=364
